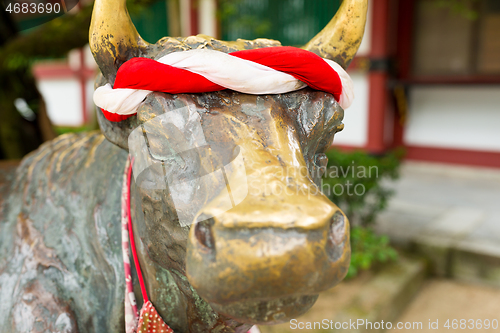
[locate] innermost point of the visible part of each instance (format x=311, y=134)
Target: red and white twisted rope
x=273, y=70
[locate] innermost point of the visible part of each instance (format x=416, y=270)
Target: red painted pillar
x=403, y=59
x=193, y=12
x=377, y=108
x=378, y=77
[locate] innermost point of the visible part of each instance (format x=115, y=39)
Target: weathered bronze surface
x=262, y=262
x=60, y=257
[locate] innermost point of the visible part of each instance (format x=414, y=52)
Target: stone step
x=473, y=261
x=461, y=243
x=449, y=214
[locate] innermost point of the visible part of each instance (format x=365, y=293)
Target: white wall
x=63, y=100
x=465, y=117
x=356, y=117
x=355, y=132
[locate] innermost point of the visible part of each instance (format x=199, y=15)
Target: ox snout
x=265, y=260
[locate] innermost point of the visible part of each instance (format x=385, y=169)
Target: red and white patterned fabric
x=273, y=70
x=131, y=314
x=148, y=321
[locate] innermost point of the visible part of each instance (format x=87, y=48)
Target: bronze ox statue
x=262, y=262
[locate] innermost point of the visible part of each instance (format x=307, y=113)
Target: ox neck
x=169, y=288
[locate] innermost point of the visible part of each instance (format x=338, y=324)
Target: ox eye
x=319, y=167
x=203, y=233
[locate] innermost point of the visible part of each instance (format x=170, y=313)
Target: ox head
x=266, y=259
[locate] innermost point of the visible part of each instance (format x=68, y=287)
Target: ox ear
x=340, y=39
x=115, y=132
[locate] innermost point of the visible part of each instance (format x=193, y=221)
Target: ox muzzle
x=281, y=246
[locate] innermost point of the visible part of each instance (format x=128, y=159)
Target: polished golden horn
x=340, y=39
x=113, y=38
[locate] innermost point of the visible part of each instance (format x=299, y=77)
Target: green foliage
x=244, y=17
x=368, y=249
x=357, y=183
x=354, y=181
x=292, y=22
x=51, y=40
x=55, y=38
x=149, y=20
x=67, y=129
x=464, y=8
x=18, y=51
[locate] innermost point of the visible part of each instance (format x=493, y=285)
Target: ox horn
x=340, y=39
x=113, y=38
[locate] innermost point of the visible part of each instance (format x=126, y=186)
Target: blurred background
x=426, y=230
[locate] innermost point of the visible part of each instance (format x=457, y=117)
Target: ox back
x=60, y=239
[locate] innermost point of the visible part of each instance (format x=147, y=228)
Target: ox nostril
x=336, y=236
x=203, y=233
x=337, y=229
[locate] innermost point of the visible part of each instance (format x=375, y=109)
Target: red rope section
x=131, y=233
